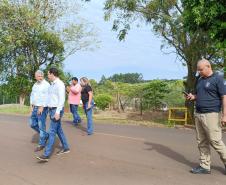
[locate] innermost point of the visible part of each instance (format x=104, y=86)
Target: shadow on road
x=35, y=139
x=79, y=126
x=168, y=152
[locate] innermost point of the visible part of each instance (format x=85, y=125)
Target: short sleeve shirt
x=209, y=92
x=85, y=93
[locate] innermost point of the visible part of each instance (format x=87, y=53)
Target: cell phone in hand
x=88, y=109
x=185, y=93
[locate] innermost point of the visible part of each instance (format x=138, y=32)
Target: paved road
x=114, y=155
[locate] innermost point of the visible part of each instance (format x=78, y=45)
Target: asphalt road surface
x=114, y=155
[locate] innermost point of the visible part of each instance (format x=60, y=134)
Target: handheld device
x=88, y=109
x=185, y=93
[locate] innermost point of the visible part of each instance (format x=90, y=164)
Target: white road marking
x=119, y=136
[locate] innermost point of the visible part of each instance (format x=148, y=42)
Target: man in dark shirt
x=210, y=97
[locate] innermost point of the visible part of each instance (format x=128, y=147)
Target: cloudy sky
x=140, y=52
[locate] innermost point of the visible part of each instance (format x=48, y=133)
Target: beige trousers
x=209, y=133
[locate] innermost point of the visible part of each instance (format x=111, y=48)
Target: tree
x=26, y=45
x=150, y=95
x=153, y=94
x=102, y=80
x=33, y=36
x=127, y=78
x=117, y=90
x=165, y=17
x=175, y=96
x=94, y=85
x=208, y=16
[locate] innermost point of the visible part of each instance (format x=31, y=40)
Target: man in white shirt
x=38, y=102
x=56, y=99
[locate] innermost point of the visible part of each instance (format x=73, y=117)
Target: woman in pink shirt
x=74, y=99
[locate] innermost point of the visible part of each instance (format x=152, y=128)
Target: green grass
x=25, y=110
x=14, y=109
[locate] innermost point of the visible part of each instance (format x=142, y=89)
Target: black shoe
x=200, y=170
x=63, y=151
x=225, y=169
x=43, y=158
x=77, y=122
x=39, y=148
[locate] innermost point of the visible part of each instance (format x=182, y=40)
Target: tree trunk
x=118, y=103
x=141, y=107
x=121, y=105
x=22, y=99
x=190, y=88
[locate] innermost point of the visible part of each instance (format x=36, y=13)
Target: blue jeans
x=89, y=116
x=74, y=111
x=38, y=123
x=55, y=128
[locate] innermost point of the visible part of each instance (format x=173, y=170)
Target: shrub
x=103, y=100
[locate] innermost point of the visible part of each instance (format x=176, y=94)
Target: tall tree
x=102, y=80
x=165, y=17
x=150, y=95
x=35, y=34
x=208, y=16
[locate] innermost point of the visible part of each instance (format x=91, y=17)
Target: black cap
x=75, y=79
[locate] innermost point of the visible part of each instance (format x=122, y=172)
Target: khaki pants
x=209, y=133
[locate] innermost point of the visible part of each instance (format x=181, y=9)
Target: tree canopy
x=166, y=20
x=125, y=78
x=35, y=34
x=207, y=15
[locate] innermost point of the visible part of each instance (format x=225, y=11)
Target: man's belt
x=35, y=106
x=52, y=108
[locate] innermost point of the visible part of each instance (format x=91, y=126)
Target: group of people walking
x=210, y=114
x=50, y=99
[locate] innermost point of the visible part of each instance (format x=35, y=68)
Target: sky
x=139, y=53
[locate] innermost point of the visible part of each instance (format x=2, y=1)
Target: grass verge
x=16, y=109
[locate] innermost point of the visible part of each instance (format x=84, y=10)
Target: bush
x=103, y=100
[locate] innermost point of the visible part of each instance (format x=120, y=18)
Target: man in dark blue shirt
x=210, y=97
